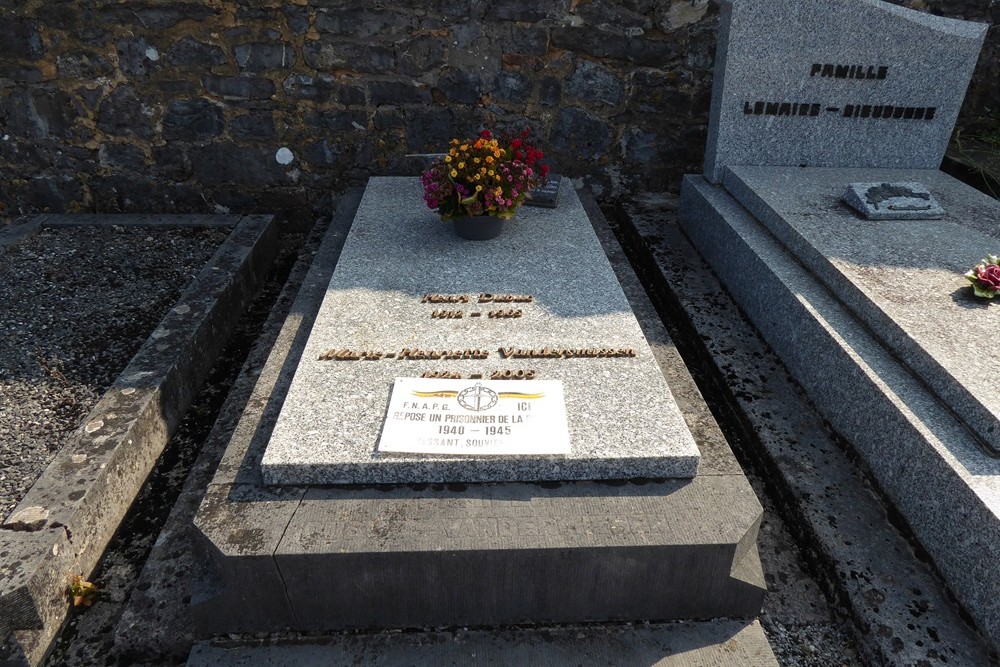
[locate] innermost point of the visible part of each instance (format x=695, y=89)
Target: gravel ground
x=76, y=304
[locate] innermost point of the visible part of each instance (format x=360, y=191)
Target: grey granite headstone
x=623, y=421
x=836, y=83
x=893, y=201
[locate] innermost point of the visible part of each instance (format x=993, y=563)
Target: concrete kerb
x=21, y=229
x=156, y=624
x=65, y=521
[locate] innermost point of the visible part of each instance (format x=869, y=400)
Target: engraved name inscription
x=834, y=71
x=564, y=352
x=814, y=109
x=483, y=297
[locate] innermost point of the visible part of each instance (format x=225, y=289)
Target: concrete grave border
x=67, y=518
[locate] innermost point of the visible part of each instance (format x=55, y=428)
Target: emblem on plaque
x=477, y=398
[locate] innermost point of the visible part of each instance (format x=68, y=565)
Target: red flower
x=989, y=276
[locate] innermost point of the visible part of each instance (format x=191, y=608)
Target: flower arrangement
x=985, y=277
x=484, y=176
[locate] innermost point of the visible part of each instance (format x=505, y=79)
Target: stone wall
x=162, y=105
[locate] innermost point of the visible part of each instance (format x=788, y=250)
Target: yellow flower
x=489, y=159
x=461, y=165
x=464, y=147
x=475, y=160
x=479, y=188
x=491, y=172
x=454, y=173
x=447, y=158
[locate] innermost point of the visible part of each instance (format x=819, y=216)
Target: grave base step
x=321, y=559
x=720, y=643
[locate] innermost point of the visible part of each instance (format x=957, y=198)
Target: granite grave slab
x=836, y=83
x=902, y=278
x=409, y=298
x=936, y=471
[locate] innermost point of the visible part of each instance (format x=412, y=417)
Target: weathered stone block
x=516, y=10
x=122, y=113
x=156, y=15
x=550, y=91
x=594, y=83
x=604, y=44
x=639, y=145
x=397, y=92
x=239, y=86
x=613, y=16
x=364, y=23
x=339, y=121
x=256, y=124
x=261, y=56
x=217, y=164
x=40, y=114
x=136, y=56
x=322, y=153
x=461, y=86
x=83, y=65
x=19, y=39
x=529, y=41
x=189, y=51
x=420, y=55
x=656, y=91
x=372, y=58
x=298, y=19
x=513, y=86
x=580, y=134
x=193, y=120
x=122, y=157
x=52, y=194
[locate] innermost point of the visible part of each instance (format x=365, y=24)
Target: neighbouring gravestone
x=837, y=83
x=822, y=110
x=539, y=304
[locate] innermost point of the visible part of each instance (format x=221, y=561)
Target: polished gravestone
x=873, y=317
x=409, y=298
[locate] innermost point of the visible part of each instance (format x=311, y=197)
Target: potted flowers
x=481, y=182
x=985, y=277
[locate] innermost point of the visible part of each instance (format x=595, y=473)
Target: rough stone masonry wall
x=161, y=105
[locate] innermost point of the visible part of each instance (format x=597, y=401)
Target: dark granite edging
x=65, y=521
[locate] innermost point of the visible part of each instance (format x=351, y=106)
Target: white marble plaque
x=476, y=417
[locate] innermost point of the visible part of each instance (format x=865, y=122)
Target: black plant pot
x=479, y=227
